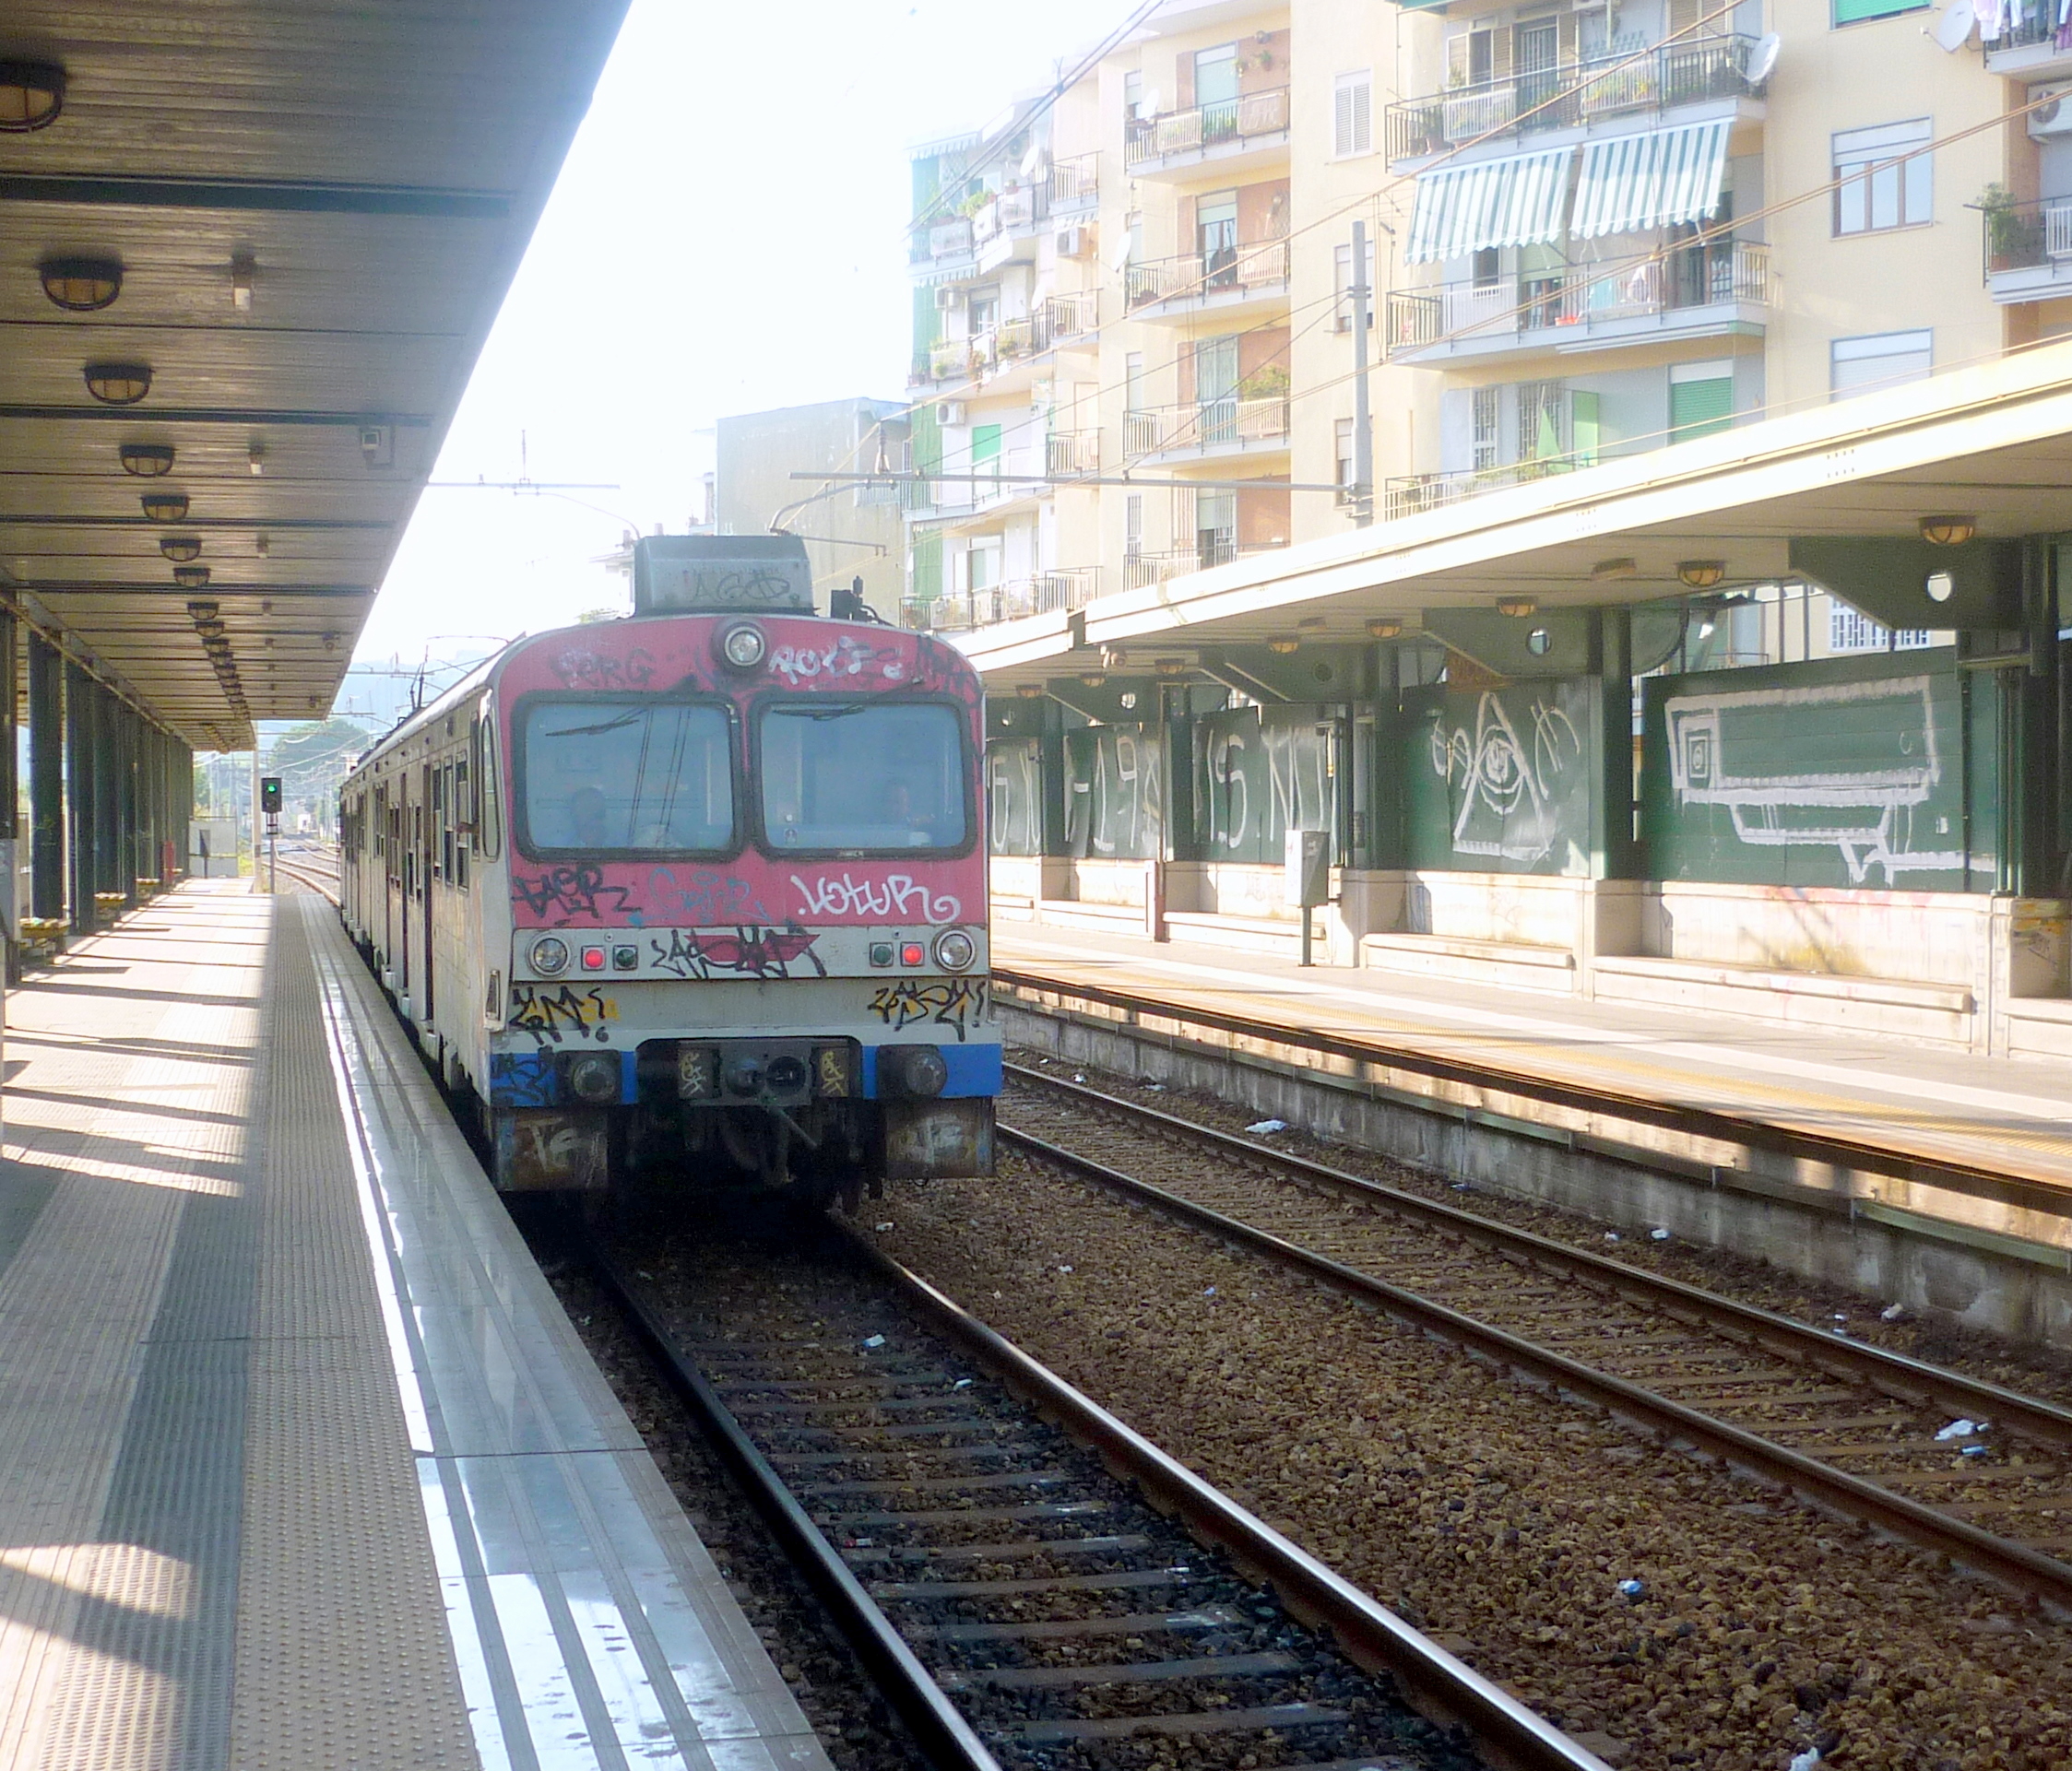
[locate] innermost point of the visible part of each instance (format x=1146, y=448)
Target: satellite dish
x=1763, y=62
x=1954, y=28
x=1031, y=160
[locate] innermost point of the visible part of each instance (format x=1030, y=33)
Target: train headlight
x=742, y=646
x=550, y=956
x=593, y=1077
x=954, y=950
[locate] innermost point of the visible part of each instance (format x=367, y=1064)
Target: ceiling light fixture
x=1620, y=566
x=243, y=270
x=147, y=460
x=118, y=384
x=180, y=548
x=166, y=507
x=1700, y=574
x=81, y=285
x=31, y=94
x=203, y=610
x=1386, y=627
x=1948, y=531
x=1518, y=607
x=1170, y=667
x=1094, y=679
x=255, y=459
x=190, y=577
x=1283, y=644
x=1029, y=690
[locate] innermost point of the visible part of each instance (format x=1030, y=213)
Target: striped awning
x=1513, y=202
x=1635, y=182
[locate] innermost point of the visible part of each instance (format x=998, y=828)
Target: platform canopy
x=248, y=256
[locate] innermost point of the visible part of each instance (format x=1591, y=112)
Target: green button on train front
x=881, y=952
x=625, y=958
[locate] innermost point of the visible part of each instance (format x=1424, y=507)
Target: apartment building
x=1594, y=230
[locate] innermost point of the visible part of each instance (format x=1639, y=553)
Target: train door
x=427, y=838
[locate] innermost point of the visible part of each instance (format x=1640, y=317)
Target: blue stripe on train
x=533, y=1079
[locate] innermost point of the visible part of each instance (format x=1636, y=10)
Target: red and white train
x=698, y=895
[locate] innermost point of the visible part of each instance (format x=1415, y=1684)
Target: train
x=696, y=898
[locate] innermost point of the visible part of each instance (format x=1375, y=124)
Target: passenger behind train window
x=606, y=777
x=864, y=777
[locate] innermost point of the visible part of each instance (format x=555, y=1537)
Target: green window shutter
x=925, y=560
x=1698, y=409
x=1584, y=428
x=1849, y=12
x=985, y=443
x=926, y=440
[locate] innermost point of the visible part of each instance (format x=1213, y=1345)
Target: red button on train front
x=912, y=953
x=593, y=959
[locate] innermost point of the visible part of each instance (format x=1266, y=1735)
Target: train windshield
x=632, y=777
x=863, y=776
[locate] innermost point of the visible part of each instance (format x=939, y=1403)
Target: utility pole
x=1363, y=421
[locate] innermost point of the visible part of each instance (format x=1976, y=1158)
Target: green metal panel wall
x=1500, y=780
x=1255, y=780
x=1879, y=771
x=1015, y=796
x=1115, y=793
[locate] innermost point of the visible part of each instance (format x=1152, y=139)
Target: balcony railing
x=1263, y=264
x=945, y=238
x=1010, y=212
x=1573, y=93
x=2026, y=236
x=1075, y=183
x=1206, y=424
x=1241, y=119
x=1058, y=321
x=1044, y=592
x=1140, y=571
x=2040, y=26
x=1074, y=451
x=1686, y=277
x=1415, y=493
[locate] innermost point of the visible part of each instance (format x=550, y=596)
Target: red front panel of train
x=832, y=782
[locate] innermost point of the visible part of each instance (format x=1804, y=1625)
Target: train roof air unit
x=680, y=575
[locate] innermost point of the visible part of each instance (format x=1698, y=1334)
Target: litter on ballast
x=874, y=1341
x=1632, y=1588
x=1210, y=1292
x=1841, y=1315
x=1079, y=1076
x=1464, y=1187
x=1659, y=1236
x=644, y=1272
x=1611, y=1236
x=1958, y=1429
x=1156, y=1088
x=962, y=1383
x=1894, y=1312
x=1971, y=1451
x=881, y=1226
x=1806, y=1760
x=1064, y=1269
x=1268, y=1126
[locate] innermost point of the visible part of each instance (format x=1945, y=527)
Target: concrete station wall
x=1835, y=842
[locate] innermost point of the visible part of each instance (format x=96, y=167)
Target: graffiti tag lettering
x=598, y=670
x=847, y=656
x=745, y=952
x=552, y=1015
x=957, y=1004
x=567, y=892
x=898, y=897
x=706, y=897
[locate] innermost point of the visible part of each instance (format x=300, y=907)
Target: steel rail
x=1441, y=1688
x=1893, y=1373
x=942, y=1733
x=1951, y=1174
x=2025, y=1570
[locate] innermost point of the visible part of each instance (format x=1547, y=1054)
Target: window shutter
x=1352, y=131
x=1684, y=14
x=1500, y=54
x=1698, y=409
x=1568, y=36
x=1456, y=61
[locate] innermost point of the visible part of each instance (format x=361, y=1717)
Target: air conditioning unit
x=946, y=298
x=2054, y=118
x=1071, y=242
x=949, y=412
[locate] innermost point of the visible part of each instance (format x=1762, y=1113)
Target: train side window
x=464, y=822
x=489, y=834
x=446, y=844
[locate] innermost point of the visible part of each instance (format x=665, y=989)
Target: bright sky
x=727, y=236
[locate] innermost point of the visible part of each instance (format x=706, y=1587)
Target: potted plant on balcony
x=2012, y=238
x=1269, y=382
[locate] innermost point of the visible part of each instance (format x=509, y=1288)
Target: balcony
x=1045, y=593
x=1414, y=494
x=1075, y=184
x=1232, y=426
x=1699, y=71
x=1231, y=134
x=2027, y=49
x=985, y=355
x=1229, y=282
x=2029, y=250
x=1073, y=452
x=1720, y=287
x=1141, y=570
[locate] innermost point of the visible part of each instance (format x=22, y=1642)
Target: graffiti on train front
x=956, y=1004
x=553, y=1014
x=749, y=952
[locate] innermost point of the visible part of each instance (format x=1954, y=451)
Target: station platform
x=301, y=1465
x=2010, y=1116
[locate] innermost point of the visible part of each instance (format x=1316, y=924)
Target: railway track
x=1976, y=1473
x=315, y=869
x=1017, y=1603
